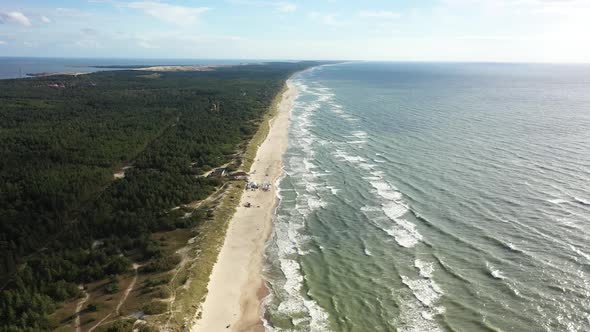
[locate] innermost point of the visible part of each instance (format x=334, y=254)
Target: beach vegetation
x=66, y=220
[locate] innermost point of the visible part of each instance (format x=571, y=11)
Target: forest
x=64, y=218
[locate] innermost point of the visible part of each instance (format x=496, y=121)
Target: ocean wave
x=289, y=234
x=368, y=208
x=314, y=318
x=402, y=231
x=357, y=142
x=494, y=272
x=450, y=270
x=418, y=314
x=504, y=245
x=388, y=193
x=413, y=318
x=425, y=268
x=393, y=206
x=349, y=118
x=580, y=252
x=333, y=190
x=573, y=199
x=581, y=201
x=425, y=290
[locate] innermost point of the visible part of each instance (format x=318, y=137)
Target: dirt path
x=214, y=196
x=122, y=301
x=79, y=308
x=128, y=290
x=183, y=252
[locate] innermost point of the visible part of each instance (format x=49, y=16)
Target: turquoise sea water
x=434, y=197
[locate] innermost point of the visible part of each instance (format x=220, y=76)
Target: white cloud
x=2, y=42
x=327, y=19
x=498, y=38
x=179, y=15
x=165, y=40
x=287, y=8
x=380, y=14
x=146, y=44
x=71, y=13
x=45, y=19
x=89, y=31
x=15, y=17
x=88, y=43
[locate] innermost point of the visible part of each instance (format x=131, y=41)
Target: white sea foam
x=414, y=318
x=579, y=252
x=494, y=272
x=425, y=290
x=418, y=316
x=370, y=209
x=333, y=190
x=360, y=134
x=558, y=201
x=402, y=237
x=404, y=232
x=387, y=192
x=366, y=166
x=289, y=229
x=513, y=247
x=343, y=155
x=582, y=201
x=425, y=268
x=357, y=142
x=349, y=118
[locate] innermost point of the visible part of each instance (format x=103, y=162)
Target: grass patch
x=117, y=326
x=155, y=307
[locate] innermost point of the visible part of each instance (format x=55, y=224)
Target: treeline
x=63, y=219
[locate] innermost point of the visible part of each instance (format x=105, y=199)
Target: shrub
x=155, y=307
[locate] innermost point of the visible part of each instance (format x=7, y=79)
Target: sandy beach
x=236, y=287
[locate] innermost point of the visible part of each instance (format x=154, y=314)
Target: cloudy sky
x=417, y=30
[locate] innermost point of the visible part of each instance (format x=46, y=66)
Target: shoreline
x=236, y=286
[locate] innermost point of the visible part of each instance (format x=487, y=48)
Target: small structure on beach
x=252, y=186
x=266, y=186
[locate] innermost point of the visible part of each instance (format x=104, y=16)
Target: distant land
x=20, y=67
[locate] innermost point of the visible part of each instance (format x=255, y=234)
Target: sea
x=434, y=197
x=22, y=67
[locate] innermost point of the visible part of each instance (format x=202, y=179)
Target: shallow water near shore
x=434, y=197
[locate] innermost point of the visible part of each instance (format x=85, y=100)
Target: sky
x=418, y=30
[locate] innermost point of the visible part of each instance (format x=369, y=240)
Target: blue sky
x=429, y=30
